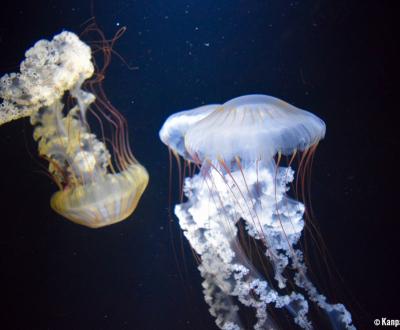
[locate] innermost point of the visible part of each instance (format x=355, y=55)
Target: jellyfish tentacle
x=222, y=261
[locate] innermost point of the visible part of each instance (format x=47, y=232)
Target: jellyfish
x=96, y=188
x=239, y=184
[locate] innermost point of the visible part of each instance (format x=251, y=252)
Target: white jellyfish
x=94, y=189
x=233, y=145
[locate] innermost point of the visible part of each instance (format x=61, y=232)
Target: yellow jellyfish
x=96, y=188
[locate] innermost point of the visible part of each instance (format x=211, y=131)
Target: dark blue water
x=334, y=58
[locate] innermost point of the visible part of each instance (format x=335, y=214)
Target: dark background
x=334, y=58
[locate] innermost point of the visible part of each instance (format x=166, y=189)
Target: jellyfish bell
x=173, y=131
x=253, y=127
x=104, y=201
x=96, y=188
x=233, y=145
